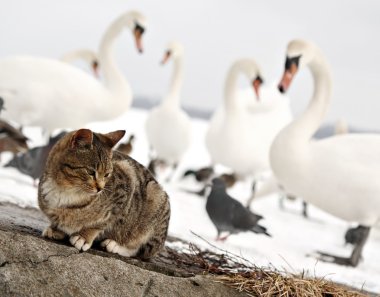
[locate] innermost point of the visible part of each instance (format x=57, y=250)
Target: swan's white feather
x=49, y=93
x=169, y=132
x=242, y=143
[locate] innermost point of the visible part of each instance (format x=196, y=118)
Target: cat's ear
x=82, y=138
x=113, y=137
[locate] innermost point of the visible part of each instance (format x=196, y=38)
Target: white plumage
x=52, y=94
x=89, y=57
x=168, y=127
x=242, y=129
x=338, y=174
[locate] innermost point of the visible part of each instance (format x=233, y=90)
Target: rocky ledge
x=33, y=266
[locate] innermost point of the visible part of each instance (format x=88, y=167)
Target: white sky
x=215, y=33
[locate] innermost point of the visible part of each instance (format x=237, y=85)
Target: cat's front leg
x=83, y=240
x=52, y=232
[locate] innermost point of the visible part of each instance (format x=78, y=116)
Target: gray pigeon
x=33, y=161
x=228, y=214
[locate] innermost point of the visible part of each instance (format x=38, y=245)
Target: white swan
x=53, y=94
x=88, y=56
x=271, y=185
x=168, y=127
x=241, y=129
x=338, y=174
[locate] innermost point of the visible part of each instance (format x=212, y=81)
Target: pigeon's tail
x=260, y=229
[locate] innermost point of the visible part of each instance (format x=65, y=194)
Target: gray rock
x=33, y=266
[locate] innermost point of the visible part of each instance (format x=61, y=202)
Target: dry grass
x=258, y=282
x=237, y=272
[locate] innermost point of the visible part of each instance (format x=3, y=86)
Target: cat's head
x=81, y=160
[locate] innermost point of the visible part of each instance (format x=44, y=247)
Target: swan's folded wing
x=351, y=150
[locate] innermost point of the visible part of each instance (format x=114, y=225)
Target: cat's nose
x=98, y=187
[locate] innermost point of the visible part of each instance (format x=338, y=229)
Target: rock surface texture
x=33, y=266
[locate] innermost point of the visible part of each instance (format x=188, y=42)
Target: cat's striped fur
x=91, y=193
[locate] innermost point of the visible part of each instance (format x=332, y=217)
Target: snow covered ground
x=293, y=237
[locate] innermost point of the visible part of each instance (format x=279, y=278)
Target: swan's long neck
x=172, y=99
x=303, y=128
x=230, y=90
x=113, y=78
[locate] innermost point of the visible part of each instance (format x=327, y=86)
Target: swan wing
x=169, y=132
x=34, y=89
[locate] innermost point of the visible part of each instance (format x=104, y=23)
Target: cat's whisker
x=105, y=189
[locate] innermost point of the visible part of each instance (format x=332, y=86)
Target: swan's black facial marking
x=167, y=55
x=138, y=32
x=259, y=79
x=95, y=64
x=139, y=29
x=290, y=61
x=256, y=85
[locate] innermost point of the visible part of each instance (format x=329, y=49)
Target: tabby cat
x=90, y=192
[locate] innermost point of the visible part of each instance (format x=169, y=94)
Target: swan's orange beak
x=138, y=32
x=256, y=86
x=166, y=57
x=287, y=78
x=95, y=68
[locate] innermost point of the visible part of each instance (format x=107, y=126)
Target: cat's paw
x=112, y=246
x=51, y=233
x=80, y=242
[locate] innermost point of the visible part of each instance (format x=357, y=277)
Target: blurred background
x=214, y=33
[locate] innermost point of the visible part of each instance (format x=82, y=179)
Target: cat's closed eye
x=91, y=172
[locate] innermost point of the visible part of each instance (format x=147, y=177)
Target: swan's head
x=299, y=54
x=92, y=58
x=95, y=67
x=136, y=22
x=174, y=50
x=88, y=56
x=250, y=69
